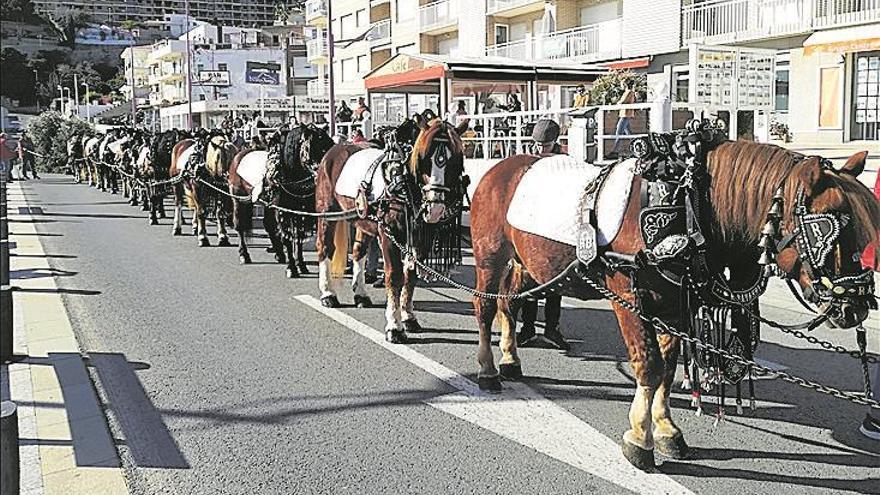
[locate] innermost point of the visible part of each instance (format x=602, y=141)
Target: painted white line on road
x=522, y=415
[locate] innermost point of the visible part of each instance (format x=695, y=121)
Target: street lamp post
x=331, y=89
x=36, y=92
x=189, y=110
x=76, y=93
x=88, y=116
x=131, y=63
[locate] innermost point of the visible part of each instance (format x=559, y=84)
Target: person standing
x=25, y=149
x=362, y=112
x=581, y=97
x=343, y=113
x=6, y=156
x=623, y=116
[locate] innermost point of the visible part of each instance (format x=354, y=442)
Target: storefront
x=409, y=83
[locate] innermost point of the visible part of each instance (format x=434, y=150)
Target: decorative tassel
x=739, y=401
x=752, y=404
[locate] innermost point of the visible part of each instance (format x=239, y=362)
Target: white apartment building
x=826, y=53
x=233, y=70
x=248, y=13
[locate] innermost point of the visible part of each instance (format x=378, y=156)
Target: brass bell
x=769, y=229
x=771, y=270
x=766, y=242
x=777, y=196
x=766, y=258
x=776, y=209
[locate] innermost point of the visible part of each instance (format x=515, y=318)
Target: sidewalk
x=65, y=445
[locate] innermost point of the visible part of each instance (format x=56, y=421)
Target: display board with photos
x=743, y=78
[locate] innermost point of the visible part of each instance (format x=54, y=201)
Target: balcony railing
x=438, y=14
x=316, y=48
x=380, y=33
x=315, y=9
x=726, y=21
x=493, y=6
x=318, y=89
x=589, y=43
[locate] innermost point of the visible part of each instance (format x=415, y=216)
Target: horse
x=154, y=165
x=422, y=196
x=106, y=174
x=75, y=157
x=746, y=179
x=208, y=157
x=118, y=156
x=91, y=154
x=287, y=170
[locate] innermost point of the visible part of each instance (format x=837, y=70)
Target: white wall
x=651, y=27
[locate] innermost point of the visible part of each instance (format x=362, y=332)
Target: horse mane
x=423, y=142
x=745, y=176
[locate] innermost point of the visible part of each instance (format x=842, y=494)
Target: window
x=682, y=82
x=406, y=9
x=408, y=49
x=782, y=89
x=222, y=67
x=348, y=26
x=830, y=96
x=348, y=69
x=362, y=64
x=502, y=33
x=361, y=18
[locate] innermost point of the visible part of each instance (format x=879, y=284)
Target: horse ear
x=462, y=126
x=856, y=164
x=421, y=121
x=810, y=173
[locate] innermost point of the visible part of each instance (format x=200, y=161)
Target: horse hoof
x=396, y=336
x=363, y=302
x=270, y=249
x=639, y=457
x=223, y=242
x=412, y=326
x=490, y=383
x=244, y=259
x=204, y=242
x=280, y=258
x=145, y=206
x=330, y=302
x=674, y=446
x=303, y=268
x=163, y=215
x=292, y=273
x=154, y=221
x=176, y=231
x=511, y=371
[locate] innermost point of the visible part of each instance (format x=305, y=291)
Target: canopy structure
x=845, y=40
x=453, y=77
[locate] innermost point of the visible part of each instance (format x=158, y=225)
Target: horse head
x=437, y=163
x=315, y=143
x=831, y=220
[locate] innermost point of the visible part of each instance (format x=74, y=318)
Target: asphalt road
x=218, y=378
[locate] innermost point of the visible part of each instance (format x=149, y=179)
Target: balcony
x=380, y=33
x=589, y=43
x=316, y=48
x=318, y=89
x=513, y=8
x=731, y=21
x=316, y=12
x=439, y=17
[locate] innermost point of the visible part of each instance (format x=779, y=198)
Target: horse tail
x=340, y=253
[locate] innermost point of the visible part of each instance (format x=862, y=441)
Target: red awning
x=412, y=76
x=633, y=63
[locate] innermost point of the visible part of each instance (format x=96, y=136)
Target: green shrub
x=608, y=89
x=50, y=132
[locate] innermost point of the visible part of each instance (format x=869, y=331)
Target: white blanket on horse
x=355, y=171
x=252, y=169
x=115, y=147
x=547, y=199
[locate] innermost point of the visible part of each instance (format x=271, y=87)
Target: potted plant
x=779, y=132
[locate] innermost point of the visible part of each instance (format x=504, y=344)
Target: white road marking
x=522, y=415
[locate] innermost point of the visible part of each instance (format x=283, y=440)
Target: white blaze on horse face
x=437, y=208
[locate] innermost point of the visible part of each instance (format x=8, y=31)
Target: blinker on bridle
x=815, y=236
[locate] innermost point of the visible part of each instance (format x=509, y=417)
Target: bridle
x=814, y=237
x=437, y=194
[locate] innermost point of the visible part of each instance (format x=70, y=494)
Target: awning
x=633, y=63
x=413, y=73
x=851, y=39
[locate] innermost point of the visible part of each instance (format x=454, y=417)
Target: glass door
x=866, y=97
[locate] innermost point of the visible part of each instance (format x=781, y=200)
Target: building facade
x=248, y=13
x=826, y=52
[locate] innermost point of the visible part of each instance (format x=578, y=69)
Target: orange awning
x=846, y=40
x=633, y=63
x=412, y=76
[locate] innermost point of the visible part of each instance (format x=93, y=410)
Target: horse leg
x=510, y=365
x=222, y=213
x=326, y=248
x=485, y=309
x=242, y=215
x=667, y=436
x=152, y=207
x=199, y=224
x=358, y=284
x=407, y=312
x=178, y=209
x=114, y=181
x=300, y=260
x=394, y=282
x=270, y=223
x=648, y=366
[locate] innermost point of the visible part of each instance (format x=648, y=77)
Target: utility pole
x=36, y=91
x=331, y=89
x=189, y=110
x=131, y=63
x=76, y=92
x=88, y=116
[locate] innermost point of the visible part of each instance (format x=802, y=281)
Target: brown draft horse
x=744, y=177
x=218, y=154
x=434, y=171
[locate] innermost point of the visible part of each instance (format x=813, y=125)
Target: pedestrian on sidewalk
x=25, y=154
x=623, y=116
x=6, y=156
